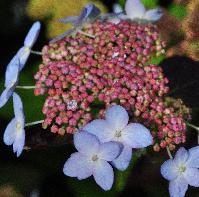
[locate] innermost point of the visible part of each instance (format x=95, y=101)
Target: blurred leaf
x=147, y=3
x=156, y=59
x=179, y=11
x=122, y=177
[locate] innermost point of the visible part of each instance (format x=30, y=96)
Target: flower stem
x=26, y=87
x=34, y=123
x=169, y=152
x=86, y=34
x=36, y=52
x=194, y=127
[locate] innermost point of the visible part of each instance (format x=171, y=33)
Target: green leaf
x=156, y=59
x=147, y=3
x=179, y=11
x=122, y=177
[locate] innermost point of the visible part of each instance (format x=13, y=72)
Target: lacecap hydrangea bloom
x=100, y=86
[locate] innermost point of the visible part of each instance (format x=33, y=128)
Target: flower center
x=181, y=169
x=95, y=158
x=18, y=125
x=118, y=134
x=26, y=49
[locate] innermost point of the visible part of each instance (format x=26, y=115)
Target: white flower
x=115, y=54
x=11, y=80
x=116, y=128
x=72, y=105
x=17, y=63
x=15, y=133
x=182, y=171
x=136, y=10
x=92, y=159
x=24, y=52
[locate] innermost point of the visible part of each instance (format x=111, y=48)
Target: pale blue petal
x=192, y=176
x=65, y=34
x=6, y=94
x=134, y=9
x=109, y=151
x=178, y=187
x=181, y=156
x=32, y=34
x=78, y=166
x=193, y=160
x=23, y=55
x=12, y=72
x=103, y=175
x=70, y=19
x=122, y=162
x=18, y=109
x=92, y=11
x=136, y=135
x=86, y=143
x=9, y=134
x=169, y=170
x=153, y=14
x=101, y=129
x=117, y=8
x=19, y=141
x=117, y=117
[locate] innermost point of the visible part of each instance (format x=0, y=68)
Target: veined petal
x=181, y=156
x=12, y=72
x=134, y=9
x=117, y=117
x=103, y=175
x=6, y=94
x=32, y=34
x=78, y=166
x=123, y=160
x=168, y=170
x=153, y=14
x=86, y=143
x=178, y=187
x=101, y=129
x=136, y=135
x=19, y=141
x=193, y=160
x=192, y=176
x=18, y=109
x=109, y=151
x=23, y=55
x=9, y=134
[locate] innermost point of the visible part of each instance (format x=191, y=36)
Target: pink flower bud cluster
x=82, y=76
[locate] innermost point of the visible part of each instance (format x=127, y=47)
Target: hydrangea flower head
x=24, y=52
x=136, y=10
x=116, y=128
x=92, y=159
x=15, y=133
x=11, y=79
x=182, y=171
x=110, y=68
